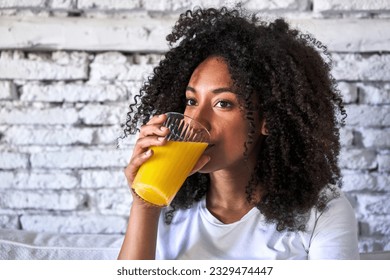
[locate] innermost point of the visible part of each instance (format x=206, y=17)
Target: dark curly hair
x=296, y=95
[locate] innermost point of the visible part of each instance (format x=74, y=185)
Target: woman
x=266, y=188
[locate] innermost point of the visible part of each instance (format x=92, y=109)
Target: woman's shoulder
x=333, y=230
x=338, y=213
x=337, y=203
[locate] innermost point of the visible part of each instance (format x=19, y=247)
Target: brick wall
x=68, y=69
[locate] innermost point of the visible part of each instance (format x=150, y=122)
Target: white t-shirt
x=196, y=234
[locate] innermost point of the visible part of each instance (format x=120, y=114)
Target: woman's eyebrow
x=216, y=91
x=223, y=89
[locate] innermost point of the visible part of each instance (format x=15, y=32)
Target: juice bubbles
x=160, y=178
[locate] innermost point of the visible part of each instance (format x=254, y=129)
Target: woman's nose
x=201, y=117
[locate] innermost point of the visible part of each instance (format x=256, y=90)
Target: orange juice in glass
x=160, y=178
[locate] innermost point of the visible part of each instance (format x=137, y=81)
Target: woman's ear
x=263, y=128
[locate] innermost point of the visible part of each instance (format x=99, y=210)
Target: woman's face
x=211, y=100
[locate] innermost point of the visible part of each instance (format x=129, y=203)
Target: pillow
x=25, y=245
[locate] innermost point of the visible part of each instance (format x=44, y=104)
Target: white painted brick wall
x=71, y=67
x=358, y=67
x=23, y=3
x=27, y=115
x=68, y=70
x=366, y=115
x=13, y=160
x=74, y=224
x=102, y=179
x=375, y=94
x=79, y=158
x=43, y=200
x=360, y=159
x=59, y=136
x=384, y=162
x=350, y=5
x=7, y=90
x=35, y=181
x=73, y=93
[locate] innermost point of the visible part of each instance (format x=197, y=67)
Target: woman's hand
x=151, y=134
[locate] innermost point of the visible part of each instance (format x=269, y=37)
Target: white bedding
x=24, y=245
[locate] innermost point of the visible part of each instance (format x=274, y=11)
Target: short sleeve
x=335, y=232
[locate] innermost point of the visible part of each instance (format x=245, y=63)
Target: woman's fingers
x=136, y=161
x=154, y=126
x=151, y=134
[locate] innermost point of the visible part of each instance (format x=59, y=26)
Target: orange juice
x=160, y=178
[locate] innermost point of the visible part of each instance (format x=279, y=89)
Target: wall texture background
x=68, y=69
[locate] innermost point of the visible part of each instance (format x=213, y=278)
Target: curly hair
x=296, y=95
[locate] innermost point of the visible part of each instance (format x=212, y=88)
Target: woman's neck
x=227, y=197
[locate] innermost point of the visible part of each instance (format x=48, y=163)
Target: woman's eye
x=190, y=102
x=223, y=104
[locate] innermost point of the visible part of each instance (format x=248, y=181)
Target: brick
x=375, y=94
x=288, y=5
x=103, y=179
x=171, y=5
x=96, y=114
x=35, y=180
x=131, y=34
x=374, y=243
x=357, y=159
x=81, y=158
x=108, y=4
x=38, y=115
x=47, y=200
x=7, y=90
x=365, y=182
x=368, y=116
x=108, y=135
x=13, y=160
x=28, y=135
x=25, y=69
x=9, y=222
x=5, y=4
x=14, y=54
x=376, y=138
x=73, y=93
x=120, y=72
x=133, y=88
x=378, y=225
x=7, y=179
x=142, y=34
x=74, y=224
x=63, y=4
x=384, y=182
x=149, y=58
x=374, y=204
x=359, y=182
x=346, y=137
x=346, y=35
x=361, y=67
x=384, y=162
x=126, y=143
x=348, y=91
x=111, y=202
x=350, y=6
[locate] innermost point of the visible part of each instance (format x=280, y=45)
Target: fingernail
x=163, y=128
x=148, y=153
x=160, y=139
